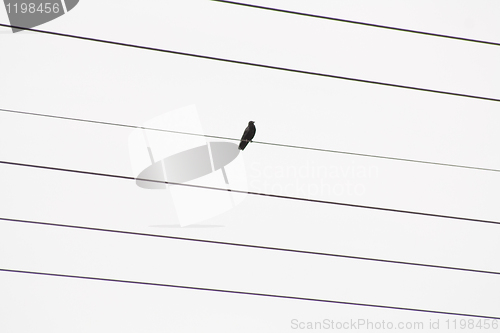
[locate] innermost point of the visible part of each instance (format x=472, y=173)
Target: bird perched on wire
x=247, y=135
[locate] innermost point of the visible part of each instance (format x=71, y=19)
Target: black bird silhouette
x=247, y=135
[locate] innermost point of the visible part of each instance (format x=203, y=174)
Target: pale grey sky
x=82, y=79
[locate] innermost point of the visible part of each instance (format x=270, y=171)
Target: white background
x=75, y=78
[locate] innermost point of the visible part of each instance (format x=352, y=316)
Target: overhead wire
x=357, y=22
x=264, y=194
x=251, y=246
x=269, y=195
x=247, y=63
x=255, y=142
x=237, y=292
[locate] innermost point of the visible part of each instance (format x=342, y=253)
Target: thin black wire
x=239, y=62
x=257, y=142
x=261, y=247
x=251, y=193
x=358, y=22
x=247, y=293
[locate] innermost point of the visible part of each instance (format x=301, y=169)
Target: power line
x=251, y=193
x=247, y=293
x=358, y=22
x=261, y=247
x=256, y=142
x=239, y=62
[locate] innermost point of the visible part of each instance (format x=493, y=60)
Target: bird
x=247, y=135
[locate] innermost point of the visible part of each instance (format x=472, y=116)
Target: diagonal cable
x=237, y=292
x=247, y=63
x=256, y=142
x=252, y=246
x=269, y=195
x=357, y=22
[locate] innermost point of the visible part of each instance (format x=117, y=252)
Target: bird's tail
x=243, y=144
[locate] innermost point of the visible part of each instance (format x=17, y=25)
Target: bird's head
x=251, y=122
